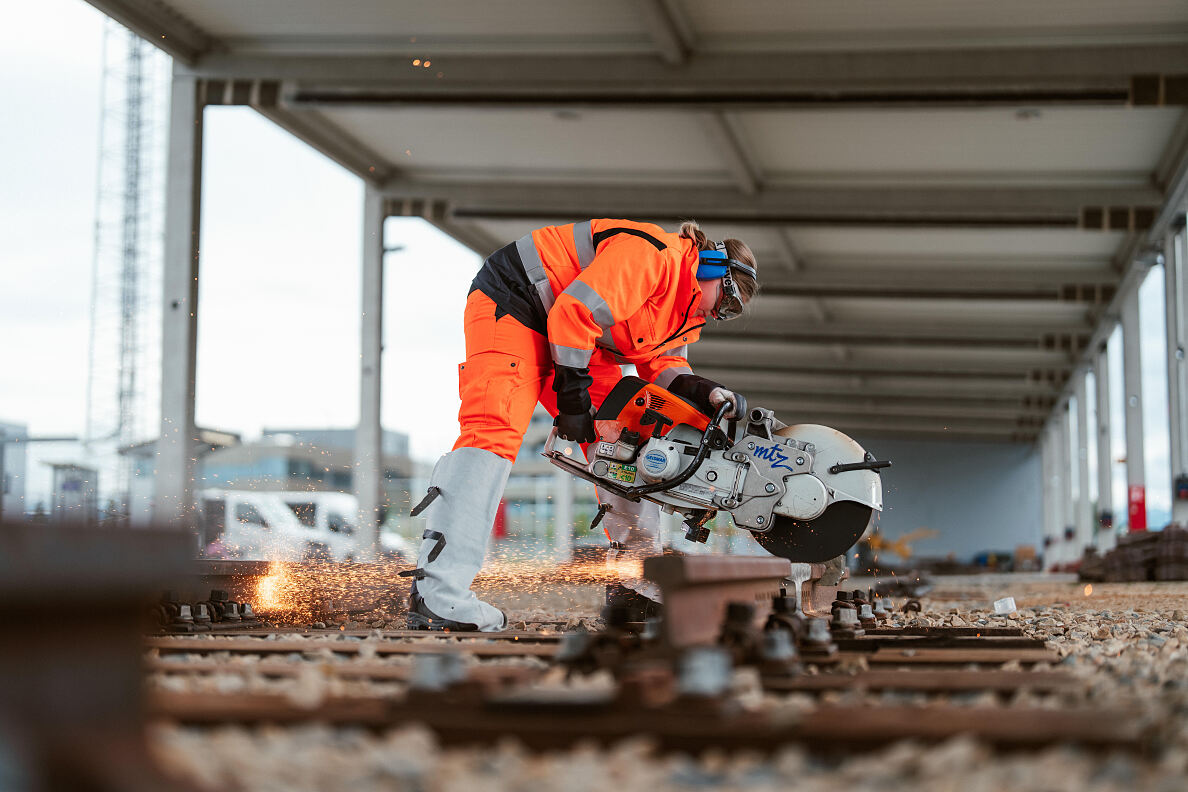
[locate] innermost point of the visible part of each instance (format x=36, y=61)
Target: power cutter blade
x=838, y=528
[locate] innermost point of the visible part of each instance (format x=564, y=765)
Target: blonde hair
x=736, y=249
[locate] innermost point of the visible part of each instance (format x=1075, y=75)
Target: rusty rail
x=559, y=721
x=698, y=589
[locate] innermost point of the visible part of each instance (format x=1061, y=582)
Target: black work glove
x=708, y=395
x=577, y=428
x=574, y=421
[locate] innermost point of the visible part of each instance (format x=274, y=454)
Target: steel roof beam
x=1100, y=75
x=159, y=24
x=330, y=140
x=726, y=137
x=947, y=428
x=1019, y=390
x=904, y=329
x=1052, y=207
x=719, y=352
x=661, y=18
x=860, y=405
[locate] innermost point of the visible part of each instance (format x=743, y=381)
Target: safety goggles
x=729, y=305
x=715, y=264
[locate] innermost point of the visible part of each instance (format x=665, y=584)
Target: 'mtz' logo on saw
x=774, y=455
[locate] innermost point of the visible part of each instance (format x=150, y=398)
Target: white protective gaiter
x=471, y=481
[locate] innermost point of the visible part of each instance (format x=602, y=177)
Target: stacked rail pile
x=1142, y=556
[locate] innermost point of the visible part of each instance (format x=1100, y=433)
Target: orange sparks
x=1088, y=589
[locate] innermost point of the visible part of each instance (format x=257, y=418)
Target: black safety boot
x=421, y=618
x=636, y=606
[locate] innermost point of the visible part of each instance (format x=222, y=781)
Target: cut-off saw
x=805, y=492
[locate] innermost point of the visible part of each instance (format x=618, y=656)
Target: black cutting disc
x=838, y=529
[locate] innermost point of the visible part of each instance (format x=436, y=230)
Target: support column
x=174, y=483
x=1175, y=258
x=1048, y=530
x=563, y=515
x=1084, y=506
x=369, y=473
x=1132, y=380
x=1064, y=484
x=1105, y=456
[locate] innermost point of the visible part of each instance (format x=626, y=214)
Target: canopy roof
x=945, y=196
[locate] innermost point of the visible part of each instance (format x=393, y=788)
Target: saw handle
x=869, y=464
x=634, y=495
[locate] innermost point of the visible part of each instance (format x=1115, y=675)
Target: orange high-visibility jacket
x=627, y=287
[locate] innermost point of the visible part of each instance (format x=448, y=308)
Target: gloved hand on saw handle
x=718, y=396
x=709, y=395
x=575, y=420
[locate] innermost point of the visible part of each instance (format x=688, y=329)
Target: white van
x=288, y=526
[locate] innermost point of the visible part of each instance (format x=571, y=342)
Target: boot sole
x=417, y=621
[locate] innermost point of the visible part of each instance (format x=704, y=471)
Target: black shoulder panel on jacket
x=602, y=236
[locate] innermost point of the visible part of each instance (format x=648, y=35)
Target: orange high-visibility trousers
x=509, y=369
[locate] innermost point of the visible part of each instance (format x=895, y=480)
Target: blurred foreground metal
x=72, y=602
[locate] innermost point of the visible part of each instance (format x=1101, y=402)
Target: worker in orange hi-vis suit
x=552, y=318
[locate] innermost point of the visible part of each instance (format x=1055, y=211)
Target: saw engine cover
x=805, y=492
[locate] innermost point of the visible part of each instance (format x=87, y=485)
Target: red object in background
x=1137, y=497
x=500, y=530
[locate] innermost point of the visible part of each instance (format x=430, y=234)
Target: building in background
x=13, y=441
x=143, y=458
x=74, y=496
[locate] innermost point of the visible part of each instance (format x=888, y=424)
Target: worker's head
x=733, y=282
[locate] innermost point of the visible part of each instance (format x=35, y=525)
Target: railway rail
x=481, y=701
x=745, y=658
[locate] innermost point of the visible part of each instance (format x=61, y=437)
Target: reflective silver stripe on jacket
x=568, y=356
x=665, y=378
x=583, y=240
x=589, y=297
x=534, y=267
x=681, y=351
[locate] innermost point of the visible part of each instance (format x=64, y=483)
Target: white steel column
x=1133, y=391
x=368, y=442
x=1084, y=507
x=1175, y=261
x=1064, y=485
x=174, y=485
x=1105, y=457
x=1047, y=467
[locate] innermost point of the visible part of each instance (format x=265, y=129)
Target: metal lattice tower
x=123, y=359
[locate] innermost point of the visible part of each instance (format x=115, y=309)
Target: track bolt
x=704, y=672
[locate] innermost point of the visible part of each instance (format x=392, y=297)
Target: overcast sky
x=281, y=241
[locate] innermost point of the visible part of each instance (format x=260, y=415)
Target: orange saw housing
x=648, y=409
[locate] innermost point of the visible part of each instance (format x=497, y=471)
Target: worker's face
x=710, y=289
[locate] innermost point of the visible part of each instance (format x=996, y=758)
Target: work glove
x=708, y=395
x=577, y=428
x=575, y=421
x=720, y=395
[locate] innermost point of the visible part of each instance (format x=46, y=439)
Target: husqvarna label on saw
x=621, y=472
x=655, y=462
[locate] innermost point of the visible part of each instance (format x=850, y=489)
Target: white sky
x=281, y=233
